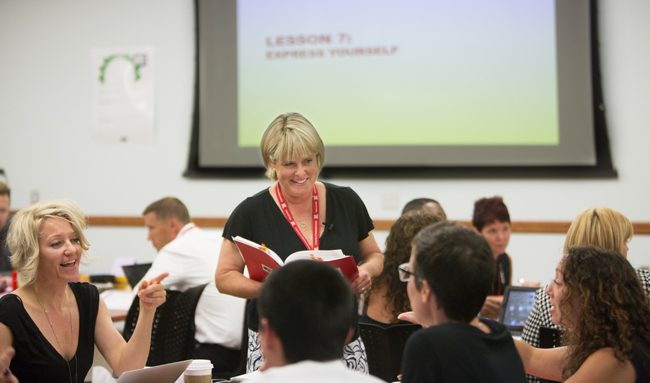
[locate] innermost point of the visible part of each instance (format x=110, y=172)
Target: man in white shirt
x=306, y=317
x=190, y=256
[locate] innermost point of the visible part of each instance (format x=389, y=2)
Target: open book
x=260, y=260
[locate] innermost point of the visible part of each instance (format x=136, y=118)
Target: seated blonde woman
x=53, y=322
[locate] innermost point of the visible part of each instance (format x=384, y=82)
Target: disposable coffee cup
x=199, y=371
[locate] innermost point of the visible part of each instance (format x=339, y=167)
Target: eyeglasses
x=404, y=272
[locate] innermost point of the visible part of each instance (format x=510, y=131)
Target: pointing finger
x=158, y=279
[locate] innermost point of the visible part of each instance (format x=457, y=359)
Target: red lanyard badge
x=287, y=214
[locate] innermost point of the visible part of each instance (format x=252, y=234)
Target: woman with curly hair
x=388, y=298
x=601, y=227
x=597, y=296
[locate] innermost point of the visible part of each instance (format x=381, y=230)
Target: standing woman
x=297, y=213
x=53, y=322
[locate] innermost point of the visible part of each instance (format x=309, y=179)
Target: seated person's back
x=306, y=317
x=449, y=276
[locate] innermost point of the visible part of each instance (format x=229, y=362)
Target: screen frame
x=603, y=167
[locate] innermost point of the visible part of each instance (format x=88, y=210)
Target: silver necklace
x=303, y=224
x=57, y=338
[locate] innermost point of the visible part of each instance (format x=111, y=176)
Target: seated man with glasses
x=449, y=276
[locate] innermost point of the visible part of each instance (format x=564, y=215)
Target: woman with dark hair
x=597, y=296
x=388, y=298
x=492, y=220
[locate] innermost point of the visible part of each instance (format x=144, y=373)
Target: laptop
x=518, y=301
x=165, y=373
x=134, y=273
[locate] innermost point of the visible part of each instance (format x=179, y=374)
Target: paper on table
x=118, y=299
x=245, y=377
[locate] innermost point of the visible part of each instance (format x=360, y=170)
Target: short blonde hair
x=25, y=230
x=289, y=136
x=601, y=227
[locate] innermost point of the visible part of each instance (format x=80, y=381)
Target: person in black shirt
x=449, y=276
x=492, y=220
x=5, y=221
x=297, y=213
x=53, y=322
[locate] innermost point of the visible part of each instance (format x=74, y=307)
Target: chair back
x=172, y=333
x=384, y=347
x=549, y=338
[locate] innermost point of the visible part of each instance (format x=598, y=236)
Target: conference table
x=118, y=303
x=118, y=315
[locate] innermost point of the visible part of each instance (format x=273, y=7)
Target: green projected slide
x=389, y=76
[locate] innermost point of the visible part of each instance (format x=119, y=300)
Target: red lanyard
x=287, y=214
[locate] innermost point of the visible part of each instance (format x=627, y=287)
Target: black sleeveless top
x=36, y=360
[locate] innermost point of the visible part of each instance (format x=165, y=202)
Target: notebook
x=165, y=373
x=134, y=273
x=518, y=301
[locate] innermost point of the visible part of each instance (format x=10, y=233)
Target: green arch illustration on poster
x=107, y=60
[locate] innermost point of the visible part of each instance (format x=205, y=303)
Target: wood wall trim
x=642, y=228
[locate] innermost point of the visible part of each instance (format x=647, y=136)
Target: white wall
x=46, y=144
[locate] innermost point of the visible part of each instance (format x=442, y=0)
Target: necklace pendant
x=303, y=224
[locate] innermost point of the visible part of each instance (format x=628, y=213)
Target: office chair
x=549, y=338
x=384, y=347
x=172, y=334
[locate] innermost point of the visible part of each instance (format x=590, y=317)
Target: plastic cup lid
x=200, y=364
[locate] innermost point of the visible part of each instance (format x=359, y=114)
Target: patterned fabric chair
x=172, y=335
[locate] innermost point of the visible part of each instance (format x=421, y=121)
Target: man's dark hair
x=310, y=307
x=417, y=204
x=458, y=265
x=169, y=207
x=488, y=210
x=4, y=189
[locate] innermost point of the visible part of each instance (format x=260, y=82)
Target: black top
x=36, y=360
x=460, y=352
x=5, y=262
x=641, y=360
x=260, y=220
x=364, y=318
x=503, y=276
